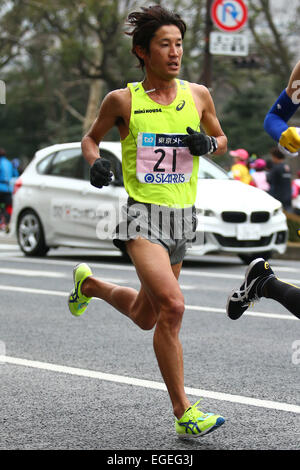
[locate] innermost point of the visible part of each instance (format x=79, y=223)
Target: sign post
x=206, y=76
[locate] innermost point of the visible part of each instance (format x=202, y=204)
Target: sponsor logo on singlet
x=149, y=111
x=180, y=105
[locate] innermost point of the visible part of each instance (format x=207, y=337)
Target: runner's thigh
x=152, y=263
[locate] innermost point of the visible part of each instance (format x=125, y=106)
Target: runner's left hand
x=289, y=142
x=286, y=152
x=199, y=143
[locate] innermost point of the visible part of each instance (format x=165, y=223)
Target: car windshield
x=210, y=170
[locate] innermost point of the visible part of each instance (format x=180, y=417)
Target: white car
x=55, y=205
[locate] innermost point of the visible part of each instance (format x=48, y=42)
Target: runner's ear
x=140, y=52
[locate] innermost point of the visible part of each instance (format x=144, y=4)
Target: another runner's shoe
x=77, y=301
x=194, y=423
x=257, y=274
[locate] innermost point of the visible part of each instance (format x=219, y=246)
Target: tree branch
x=68, y=107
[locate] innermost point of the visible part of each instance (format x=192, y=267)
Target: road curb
x=292, y=252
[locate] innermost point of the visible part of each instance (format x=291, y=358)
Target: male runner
x=276, y=120
x=260, y=280
x=160, y=171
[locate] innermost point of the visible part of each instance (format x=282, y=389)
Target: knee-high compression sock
x=286, y=294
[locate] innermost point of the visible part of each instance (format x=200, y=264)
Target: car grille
x=235, y=243
x=240, y=217
x=258, y=217
x=234, y=216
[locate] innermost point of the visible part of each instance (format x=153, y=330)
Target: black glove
x=100, y=174
x=199, y=143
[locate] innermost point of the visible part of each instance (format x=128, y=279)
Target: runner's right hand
x=100, y=174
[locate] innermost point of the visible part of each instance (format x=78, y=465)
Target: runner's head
x=145, y=24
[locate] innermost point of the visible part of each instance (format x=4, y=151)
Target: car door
x=76, y=207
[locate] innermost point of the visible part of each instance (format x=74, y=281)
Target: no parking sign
x=229, y=15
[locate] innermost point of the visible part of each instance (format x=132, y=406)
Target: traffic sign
x=229, y=15
x=228, y=44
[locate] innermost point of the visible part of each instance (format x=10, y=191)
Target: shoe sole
x=251, y=265
x=74, y=269
x=217, y=425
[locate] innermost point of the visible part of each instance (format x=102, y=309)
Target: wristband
x=214, y=144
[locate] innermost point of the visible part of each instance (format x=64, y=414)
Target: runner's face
x=164, y=57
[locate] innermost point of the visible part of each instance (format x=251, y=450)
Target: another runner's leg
x=286, y=294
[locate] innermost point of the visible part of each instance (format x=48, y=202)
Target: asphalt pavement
x=93, y=382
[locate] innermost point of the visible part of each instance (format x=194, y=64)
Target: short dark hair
x=2, y=151
x=145, y=23
x=276, y=153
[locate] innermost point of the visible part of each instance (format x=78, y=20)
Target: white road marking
x=93, y=374
x=9, y=246
x=31, y=290
x=52, y=274
x=32, y=273
x=286, y=269
x=188, y=287
x=227, y=276
x=277, y=316
x=59, y=262
x=7, y=254
x=121, y=267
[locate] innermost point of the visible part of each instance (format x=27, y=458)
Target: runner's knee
x=171, y=311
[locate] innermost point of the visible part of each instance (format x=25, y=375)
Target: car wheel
x=247, y=258
x=30, y=234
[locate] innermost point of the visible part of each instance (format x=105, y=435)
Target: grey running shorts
x=172, y=228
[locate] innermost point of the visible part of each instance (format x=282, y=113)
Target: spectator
x=296, y=194
x=279, y=178
x=260, y=175
x=16, y=167
x=296, y=186
x=6, y=174
x=251, y=163
x=239, y=169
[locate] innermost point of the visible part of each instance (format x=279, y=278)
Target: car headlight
x=209, y=213
x=199, y=211
x=205, y=212
x=278, y=210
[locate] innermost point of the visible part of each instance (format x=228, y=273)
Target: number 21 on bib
x=163, y=159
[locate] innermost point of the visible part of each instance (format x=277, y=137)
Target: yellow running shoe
x=77, y=301
x=194, y=423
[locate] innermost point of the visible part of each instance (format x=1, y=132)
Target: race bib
x=163, y=159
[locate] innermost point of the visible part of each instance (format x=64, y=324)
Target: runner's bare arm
x=112, y=113
x=294, y=82
x=209, y=120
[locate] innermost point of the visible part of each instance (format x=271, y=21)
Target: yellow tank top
x=157, y=167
